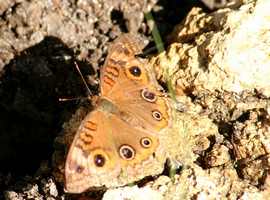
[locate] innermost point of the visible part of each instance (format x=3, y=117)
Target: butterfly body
x=118, y=142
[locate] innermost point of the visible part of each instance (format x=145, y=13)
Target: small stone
x=132, y=193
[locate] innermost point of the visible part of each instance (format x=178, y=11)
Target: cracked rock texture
x=224, y=50
x=217, y=64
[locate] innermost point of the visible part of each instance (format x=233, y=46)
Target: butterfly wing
x=129, y=82
x=120, y=53
x=118, y=143
x=107, y=151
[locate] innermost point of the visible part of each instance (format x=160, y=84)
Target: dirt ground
x=39, y=43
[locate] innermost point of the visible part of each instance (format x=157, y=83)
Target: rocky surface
x=216, y=63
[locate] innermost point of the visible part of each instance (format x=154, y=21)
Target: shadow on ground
x=31, y=114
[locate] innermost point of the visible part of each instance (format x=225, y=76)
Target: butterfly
x=118, y=142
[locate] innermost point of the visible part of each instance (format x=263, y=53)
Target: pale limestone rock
x=132, y=193
x=229, y=50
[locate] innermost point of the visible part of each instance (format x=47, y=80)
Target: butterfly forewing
x=129, y=83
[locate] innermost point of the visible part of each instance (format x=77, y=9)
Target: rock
x=132, y=193
x=212, y=50
x=217, y=65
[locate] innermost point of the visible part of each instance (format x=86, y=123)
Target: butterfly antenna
x=79, y=71
x=71, y=99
